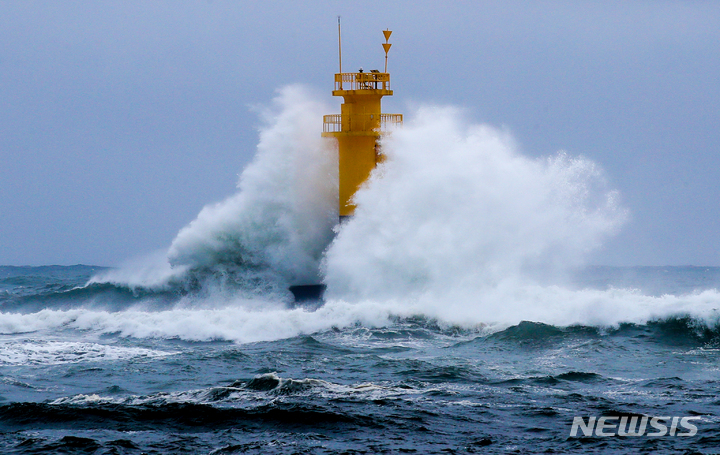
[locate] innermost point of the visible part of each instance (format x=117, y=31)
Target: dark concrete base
x=308, y=292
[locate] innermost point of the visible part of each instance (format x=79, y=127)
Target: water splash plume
x=273, y=231
x=457, y=226
x=457, y=205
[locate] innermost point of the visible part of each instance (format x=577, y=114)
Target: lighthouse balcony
x=360, y=123
x=374, y=80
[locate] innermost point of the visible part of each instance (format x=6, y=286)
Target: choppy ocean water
x=90, y=369
x=458, y=316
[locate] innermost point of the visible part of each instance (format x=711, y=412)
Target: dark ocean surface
x=83, y=370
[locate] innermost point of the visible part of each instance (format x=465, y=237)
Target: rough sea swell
x=459, y=314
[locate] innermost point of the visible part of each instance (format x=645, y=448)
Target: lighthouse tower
x=359, y=125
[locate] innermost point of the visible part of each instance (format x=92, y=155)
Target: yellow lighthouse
x=359, y=126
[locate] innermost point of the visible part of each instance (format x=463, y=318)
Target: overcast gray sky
x=119, y=120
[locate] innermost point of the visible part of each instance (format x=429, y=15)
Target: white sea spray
x=458, y=226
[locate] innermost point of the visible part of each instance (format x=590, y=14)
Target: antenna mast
x=339, y=45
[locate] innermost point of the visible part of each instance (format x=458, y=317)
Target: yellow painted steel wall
x=357, y=160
